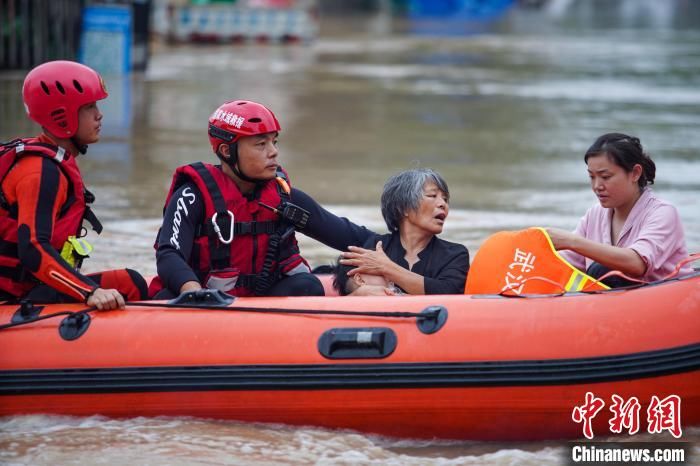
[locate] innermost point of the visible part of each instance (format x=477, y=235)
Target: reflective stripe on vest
x=576, y=282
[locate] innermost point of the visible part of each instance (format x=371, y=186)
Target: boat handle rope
x=47, y=316
x=687, y=260
x=638, y=282
x=429, y=312
x=429, y=320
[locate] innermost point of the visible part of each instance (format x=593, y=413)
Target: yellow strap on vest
x=74, y=250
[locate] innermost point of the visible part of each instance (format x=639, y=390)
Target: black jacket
x=443, y=264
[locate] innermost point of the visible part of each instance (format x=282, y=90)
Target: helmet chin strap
x=232, y=162
x=82, y=148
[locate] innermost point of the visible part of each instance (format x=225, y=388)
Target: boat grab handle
x=357, y=343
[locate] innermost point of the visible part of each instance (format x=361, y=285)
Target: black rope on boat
x=47, y=316
x=429, y=314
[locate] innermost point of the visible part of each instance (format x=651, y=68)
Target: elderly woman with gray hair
x=415, y=205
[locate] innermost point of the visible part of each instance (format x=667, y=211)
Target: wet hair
x=625, y=151
x=340, y=277
x=403, y=192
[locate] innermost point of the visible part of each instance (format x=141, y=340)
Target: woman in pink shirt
x=631, y=230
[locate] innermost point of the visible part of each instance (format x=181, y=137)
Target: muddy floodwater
x=505, y=114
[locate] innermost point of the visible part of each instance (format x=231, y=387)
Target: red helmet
x=54, y=92
x=238, y=118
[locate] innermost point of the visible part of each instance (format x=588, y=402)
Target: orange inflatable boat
x=483, y=367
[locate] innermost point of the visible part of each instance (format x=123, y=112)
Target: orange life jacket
x=14, y=279
x=524, y=262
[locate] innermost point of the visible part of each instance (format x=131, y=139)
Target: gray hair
x=403, y=192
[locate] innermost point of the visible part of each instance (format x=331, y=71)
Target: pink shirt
x=653, y=229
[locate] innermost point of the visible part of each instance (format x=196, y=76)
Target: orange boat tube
x=455, y=366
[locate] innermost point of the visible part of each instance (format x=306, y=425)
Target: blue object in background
x=454, y=17
x=464, y=9
x=106, y=39
x=105, y=45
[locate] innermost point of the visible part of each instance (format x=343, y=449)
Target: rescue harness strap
x=220, y=253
